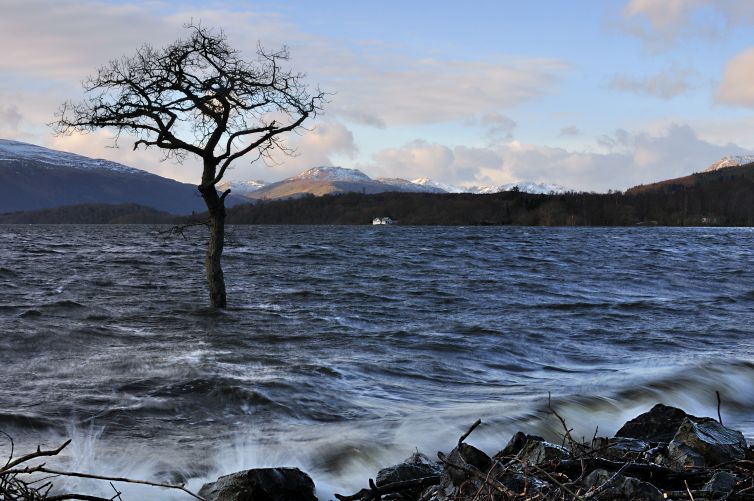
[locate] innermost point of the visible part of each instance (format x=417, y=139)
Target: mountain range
x=33, y=177
x=320, y=181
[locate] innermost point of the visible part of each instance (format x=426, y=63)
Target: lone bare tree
x=198, y=96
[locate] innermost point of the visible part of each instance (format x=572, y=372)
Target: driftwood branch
x=15, y=486
x=368, y=494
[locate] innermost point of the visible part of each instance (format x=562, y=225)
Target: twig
x=562, y=421
x=469, y=431
x=12, y=446
x=392, y=487
x=42, y=469
x=686, y=483
x=33, y=455
x=553, y=479
x=470, y=470
x=596, y=492
x=719, y=417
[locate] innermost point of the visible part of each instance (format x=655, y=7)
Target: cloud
x=324, y=144
x=661, y=23
x=422, y=91
x=667, y=84
x=570, y=130
x=737, y=87
x=498, y=127
x=627, y=159
x=10, y=118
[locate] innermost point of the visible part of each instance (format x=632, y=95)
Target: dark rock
x=516, y=443
x=537, y=451
x=262, y=484
x=705, y=442
x=465, y=455
x=473, y=456
x=416, y=466
x=621, y=448
x=659, y=424
x=722, y=481
x=621, y=487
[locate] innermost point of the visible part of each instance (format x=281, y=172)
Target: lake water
x=346, y=348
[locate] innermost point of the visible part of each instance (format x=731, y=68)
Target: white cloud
x=430, y=91
x=570, y=130
x=660, y=23
x=10, y=118
x=666, y=84
x=498, y=127
x=326, y=143
x=737, y=87
x=628, y=159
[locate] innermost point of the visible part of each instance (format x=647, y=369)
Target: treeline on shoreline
x=717, y=199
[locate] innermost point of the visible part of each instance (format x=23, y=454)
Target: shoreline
x=663, y=453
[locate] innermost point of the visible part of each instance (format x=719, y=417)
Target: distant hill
x=33, y=177
x=321, y=181
x=730, y=161
x=91, y=214
x=714, y=174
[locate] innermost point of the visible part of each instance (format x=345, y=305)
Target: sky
x=589, y=94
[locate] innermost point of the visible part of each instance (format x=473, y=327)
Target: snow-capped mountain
x=241, y=188
x=534, y=188
x=326, y=180
x=730, y=161
x=425, y=181
x=33, y=177
x=15, y=152
x=400, y=184
x=333, y=174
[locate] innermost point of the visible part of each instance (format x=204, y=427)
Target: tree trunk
x=213, y=266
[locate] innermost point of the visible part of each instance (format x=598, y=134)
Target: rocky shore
x=661, y=454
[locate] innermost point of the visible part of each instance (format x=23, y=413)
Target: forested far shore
x=718, y=201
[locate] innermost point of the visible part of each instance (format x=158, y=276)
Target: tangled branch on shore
x=25, y=479
x=663, y=454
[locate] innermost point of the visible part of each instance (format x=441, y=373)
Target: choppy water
x=344, y=348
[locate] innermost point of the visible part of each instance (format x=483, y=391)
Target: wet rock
x=659, y=424
x=705, y=443
x=537, y=451
x=722, y=481
x=416, y=466
x=262, y=484
x=474, y=457
x=621, y=487
x=465, y=455
x=620, y=448
x=516, y=443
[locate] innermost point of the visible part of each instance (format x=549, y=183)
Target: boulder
x=516, y=443
x=416, y=466
x=621, y=487
x=464, y=455
x=722, y=481
x=537, y=451
x=659, y=424
x=261, y=484
x=705, y=442
x=620, y=448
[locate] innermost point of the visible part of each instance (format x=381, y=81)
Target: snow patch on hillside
x=242, y=188
x=333, y=174
x=16, y=151
x=730, y=161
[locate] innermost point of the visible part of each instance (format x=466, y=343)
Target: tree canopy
x=198, y=96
